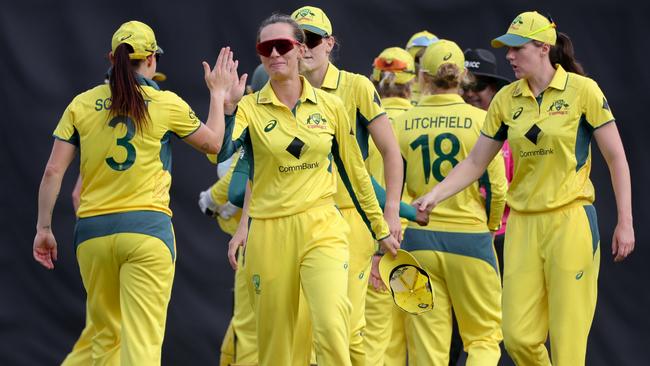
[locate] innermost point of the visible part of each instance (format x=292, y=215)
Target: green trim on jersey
x=166, y=151
x=475, y=245
x=590, y=210
x=74, y=139
x=346, y=182
x=484, y=181
x=152, y=223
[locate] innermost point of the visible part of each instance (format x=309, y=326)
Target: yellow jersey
x=434, y=136
x=291, y=153
x=550, y=138
x=123, y=169
x=362, y=105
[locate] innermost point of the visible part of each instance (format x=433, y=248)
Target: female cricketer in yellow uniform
x=297, y=238
x=393, y=75
x=552, y=249
x=368, y=119
x=124, y=238
x=456, y=246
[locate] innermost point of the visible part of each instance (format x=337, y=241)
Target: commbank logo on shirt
x=533, y=134
x=296, y=147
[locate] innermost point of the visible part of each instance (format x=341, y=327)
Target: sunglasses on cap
x=313, y=40
x=282, y=45
x=389, y=64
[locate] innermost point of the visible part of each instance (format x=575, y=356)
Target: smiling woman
x=296, y=238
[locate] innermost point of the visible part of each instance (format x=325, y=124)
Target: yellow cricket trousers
x=550, y=284
x=385, y=337
x=307, y=251
x=127, y=263
x=464, y=275
x=239, y=346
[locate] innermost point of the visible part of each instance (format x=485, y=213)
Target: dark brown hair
x=562, y=53
x=298, y=34
x=126, y=92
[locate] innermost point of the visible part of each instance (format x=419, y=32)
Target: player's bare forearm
x=60, y=158
x=384, y=138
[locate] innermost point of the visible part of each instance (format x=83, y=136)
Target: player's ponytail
x=387, y=86
x=126, y=92
x=562, y=53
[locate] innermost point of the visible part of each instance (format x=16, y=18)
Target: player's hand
x=426, y=203
x=227, y=210
x=394, y=223
x=389, y=245
x=421, y=217
x=622, y=241
x=206, y=204
x=375, y=277
x=44, y=249
x=219, y=80
x=237, y=240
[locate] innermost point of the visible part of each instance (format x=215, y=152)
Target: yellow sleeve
x=351, y=168
x=595, y=107
x=368, y=101
x=65, y=129
x=495, y=183
x=494, y=127
x=182, y=119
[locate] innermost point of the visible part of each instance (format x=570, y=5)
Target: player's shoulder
x=357, y=81
x=328, y=99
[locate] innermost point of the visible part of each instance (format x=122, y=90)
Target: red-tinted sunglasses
x=282, y=45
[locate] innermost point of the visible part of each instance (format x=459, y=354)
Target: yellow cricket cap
x=313, y=19
x=408, y=282
x=526, y=27
x=419, y=41
x=139, y=36
x=442, y=52
x=396, y=60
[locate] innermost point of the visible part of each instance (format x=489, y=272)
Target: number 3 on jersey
x=124, y=142
x=436, y=168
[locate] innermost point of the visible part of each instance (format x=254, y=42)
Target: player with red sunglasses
x=368, y=119
x=292, y=135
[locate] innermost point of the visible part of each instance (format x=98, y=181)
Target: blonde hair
x=388, y=87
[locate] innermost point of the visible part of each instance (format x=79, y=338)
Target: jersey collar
x=559, y=82
x=267, y=96
x=396, y=102
x=332, y=77
x=436, y=100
